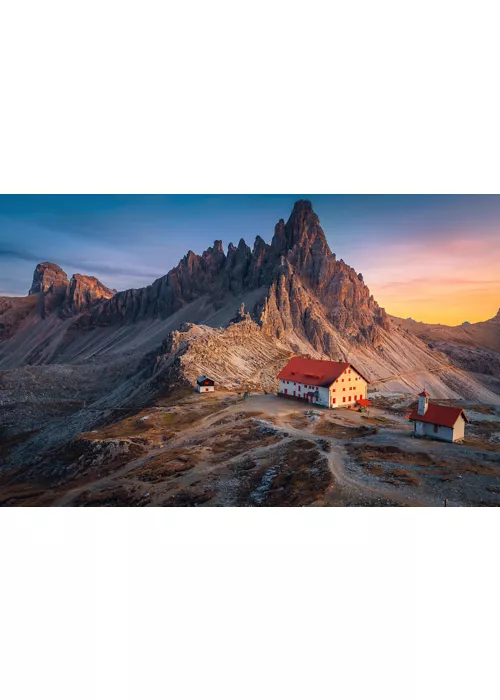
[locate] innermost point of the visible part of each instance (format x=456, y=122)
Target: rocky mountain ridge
x=296, y=273
x=473, y=347
x=294, y=289
x=69, y=297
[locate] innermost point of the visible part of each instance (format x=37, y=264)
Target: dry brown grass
x=234, y=417
x=429, y=465
x=24, y=494
x=479, y=443
x=238, y=439
x=390, y=453
x=396, y=477
x=485, y=409
x=402, y=476
x=118, y=496
x=327, y=428
x=295, y=475
x=162, y=467
x=189, y=497
x=385, y=403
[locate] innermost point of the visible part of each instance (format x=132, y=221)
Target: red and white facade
x=324, y=383
x=432, y=420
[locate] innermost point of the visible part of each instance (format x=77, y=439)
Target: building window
x=286, y=391
x=436, y=428
x=343, y=399
x=349, y=398
x=355, y=398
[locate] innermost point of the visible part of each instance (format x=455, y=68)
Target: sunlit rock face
x=82, y=293
x=67, y=297
x=48, y=277
x=306, y=289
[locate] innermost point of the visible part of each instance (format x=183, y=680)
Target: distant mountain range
x=471, y=346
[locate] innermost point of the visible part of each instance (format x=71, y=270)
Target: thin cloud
x=441, y=282
x=122, y=270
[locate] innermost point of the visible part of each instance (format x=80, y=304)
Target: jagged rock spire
x=302, y=229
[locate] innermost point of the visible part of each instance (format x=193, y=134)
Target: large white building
x=325, y=383
x=438, y=422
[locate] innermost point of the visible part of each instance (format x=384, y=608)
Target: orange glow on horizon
x=446, y=280
x=450, y=308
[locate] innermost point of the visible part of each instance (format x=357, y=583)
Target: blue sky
x=426, y=256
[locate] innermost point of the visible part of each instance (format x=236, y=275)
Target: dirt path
x=336, y=462
x=278, y=414
x=70, y=496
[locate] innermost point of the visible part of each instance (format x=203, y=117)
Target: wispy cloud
x=442, y=282
x=124, y=269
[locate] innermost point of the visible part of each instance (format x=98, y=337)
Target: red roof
x=314, y=372
x=364, y=402
x=424, y=393
x=446, y=416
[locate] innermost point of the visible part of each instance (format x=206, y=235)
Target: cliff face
x=82, y=293
x=307, y=287
x=48, y=277
x=67, y=297
x=312, y=290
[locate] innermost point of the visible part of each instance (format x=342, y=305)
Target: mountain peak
x=302, y=205
x=302, y=229
x=48, y=277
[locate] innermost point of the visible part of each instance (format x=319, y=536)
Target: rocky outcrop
x=220, y=352
x=48, y=278
x=67, y=297
x=82, y=293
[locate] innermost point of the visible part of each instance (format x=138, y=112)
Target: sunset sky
x=432, y=258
